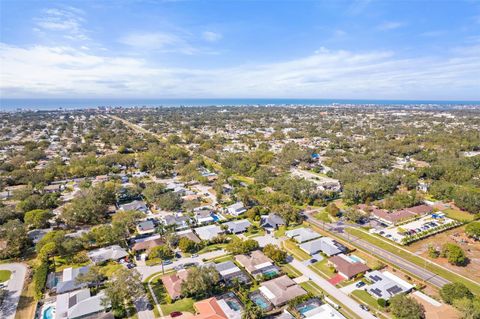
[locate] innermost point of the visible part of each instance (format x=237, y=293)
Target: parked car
x=364, y=307
x=194, y=255
x=167, y=262
x=176, y=314
x=359, y=284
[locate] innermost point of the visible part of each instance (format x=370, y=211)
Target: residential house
x=395, y=217
x=101, y=255
x=137, y=205
x=204, y=216
x=229, y=272
x=178, y=221
x=238, y=226
x=208, y=232
x=146, y=227
x=146, y=244
x=326, y=245
x=173, y=283
x=236, y=209
x=386, y=285
x=281, y=290
x=226, y=306
x=79, y=304
x=188, y=233
x=271, y=222
x=301, y=235
x=257, y=264
x=67, y=281
x=348, y=266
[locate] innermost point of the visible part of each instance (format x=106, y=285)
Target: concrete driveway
x=14, y=289
x=142, y=310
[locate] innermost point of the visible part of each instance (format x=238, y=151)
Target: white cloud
x=161, y=41
x=67, y=20
x=64, y=71
x=390, y=25
x=211, y=36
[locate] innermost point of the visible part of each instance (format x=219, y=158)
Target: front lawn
x=291, y=271
x=365, y=297
x=323, y=269
x=182, y=305
x=5, y=275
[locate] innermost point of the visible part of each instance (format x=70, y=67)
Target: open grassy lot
x=475, y=288
x=5, y=275
x=460, y=215
x=293, y=249
x=322, y=215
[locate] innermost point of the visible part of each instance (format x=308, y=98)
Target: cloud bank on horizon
x=189, y=49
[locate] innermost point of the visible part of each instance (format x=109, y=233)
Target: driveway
x=14, y=289
x=147, y=271
x=350, y=288
x=331, y=289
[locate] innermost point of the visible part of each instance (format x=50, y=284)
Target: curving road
x=404, y=264
x=14, y=289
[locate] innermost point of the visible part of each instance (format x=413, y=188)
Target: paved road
x=147, y=271
x=401, y=263
x=331, y=289
x=14, y=288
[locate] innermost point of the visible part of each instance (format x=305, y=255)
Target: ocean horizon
x=55, y=104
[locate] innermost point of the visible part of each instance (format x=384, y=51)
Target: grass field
x=475, y=288
x=291, y=271
x=5, y=275
x=293, y=249
x=460, y=215
x=322, y=215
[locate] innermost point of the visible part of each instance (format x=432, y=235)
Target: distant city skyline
x=395, y=50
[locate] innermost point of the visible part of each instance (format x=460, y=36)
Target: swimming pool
x=355, y=259
x=271, y=273
x=234, y=305
x=306, y=308
x=48, y=313
x=260, y=301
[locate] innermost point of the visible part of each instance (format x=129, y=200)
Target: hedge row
x=40, y=279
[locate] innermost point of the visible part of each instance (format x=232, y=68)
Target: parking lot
x=396, y=233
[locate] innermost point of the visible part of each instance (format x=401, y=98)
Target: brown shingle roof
x=347, y=268
x=173, y=283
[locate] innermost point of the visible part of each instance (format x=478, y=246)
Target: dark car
x=364, y=307
x=313, y=260
x=360, y=284
x=176, y=314
x=149, y=306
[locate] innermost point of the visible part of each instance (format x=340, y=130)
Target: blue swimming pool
x=355, y=259
x=48, y=313
x=260, y=301
x=306, y=308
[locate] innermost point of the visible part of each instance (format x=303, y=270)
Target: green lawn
x=293, y=249
x=460, y=215
x=110, y=268
x=291, y=271
x=322, y=269
x=365, y=297
x=210, y=248
x=5, y=275
x=414, y=259
x=183, y=305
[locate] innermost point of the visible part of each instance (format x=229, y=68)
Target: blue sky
x=189, y=49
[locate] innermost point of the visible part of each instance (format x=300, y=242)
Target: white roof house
x=386, y=285
x=236, y=209
x=326, y=245
x=302, y=235
x=208, y=232
x=113, y=252
x=78, y=304
x=238, y=226
x=322, y=312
